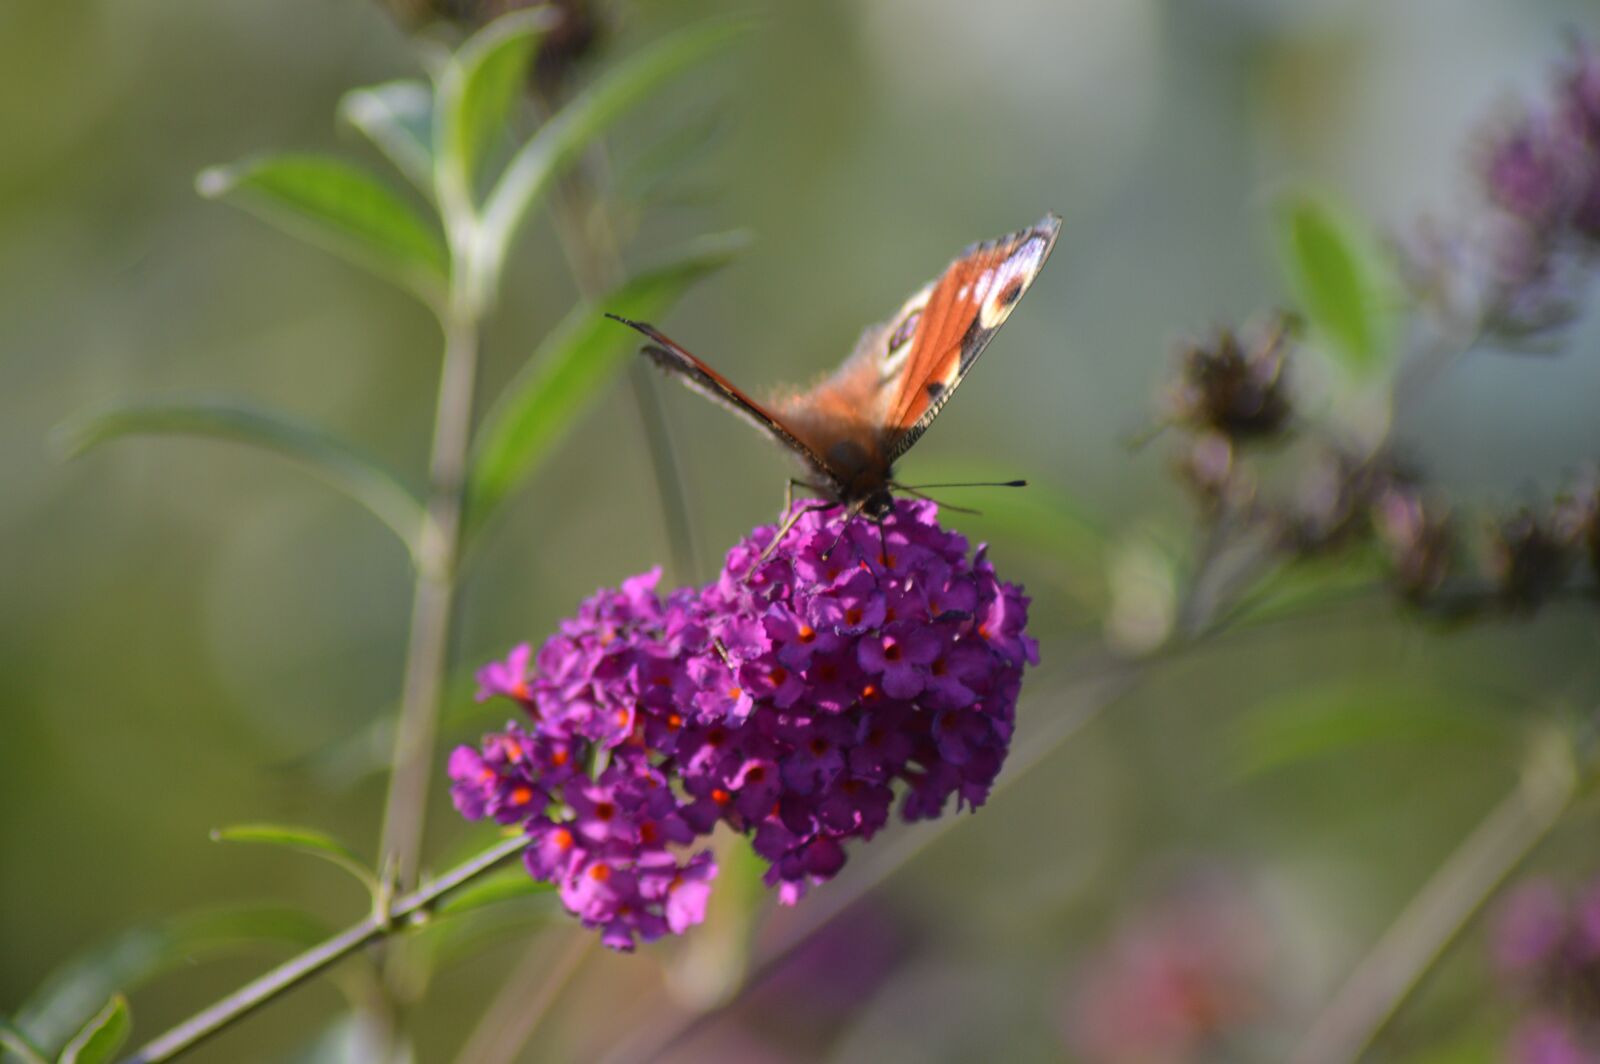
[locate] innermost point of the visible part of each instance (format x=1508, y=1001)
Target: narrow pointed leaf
x=101, y=1037
x=569, y=131
x=358, y=476
x=73, y=992
x=570, y=369
x=1341, y=280
x=397, y=117
x=342, y=209
x=476, y=93
x=303, y=840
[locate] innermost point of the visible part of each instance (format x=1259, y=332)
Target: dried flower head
x=1419, y=538
x=1234, y=382
x=854, y=667
x=1527, y=560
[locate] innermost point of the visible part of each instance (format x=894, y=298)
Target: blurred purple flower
x=1546, y=952
x=787, y=705
x=1182, y=977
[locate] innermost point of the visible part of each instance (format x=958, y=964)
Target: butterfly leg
x=851, y=515
x=793, y=516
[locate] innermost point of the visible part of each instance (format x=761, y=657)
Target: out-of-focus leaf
x=351, y=1039
x=568, y=371
x=1343, y=282
x=478, y=88
x=358, y=476
x=100, y=1038
x=397, y=117
x=1310, y=585
x=568, y=132
x=1348, y=715
x=495, y=887
x=342, y=209
x=73, y=992
x=18, y=1045
x=302, y=840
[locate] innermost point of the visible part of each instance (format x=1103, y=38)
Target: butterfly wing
x=941, y=331
x=671, y=357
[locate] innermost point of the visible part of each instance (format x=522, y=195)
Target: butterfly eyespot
x=1012, y=294
x=935, y=389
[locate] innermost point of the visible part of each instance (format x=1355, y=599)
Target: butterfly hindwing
x=941, y=331
x=672, y=357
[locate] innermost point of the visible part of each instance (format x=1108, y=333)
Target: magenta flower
x=791, y=706
x=1546, y=952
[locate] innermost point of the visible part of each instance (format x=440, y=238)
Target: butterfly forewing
x=952, y=326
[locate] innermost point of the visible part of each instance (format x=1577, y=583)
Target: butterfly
x=850, y=429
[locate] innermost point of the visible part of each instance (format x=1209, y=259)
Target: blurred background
x=193, y=634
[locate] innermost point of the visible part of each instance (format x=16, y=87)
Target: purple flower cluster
x=789, y=701
x=1546, y=951
x=1542, y=173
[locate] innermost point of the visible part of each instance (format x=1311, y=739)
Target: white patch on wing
x=1011, y=278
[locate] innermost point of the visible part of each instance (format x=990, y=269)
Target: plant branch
x=434, y=600
x=1394, y=967
x=297, y=970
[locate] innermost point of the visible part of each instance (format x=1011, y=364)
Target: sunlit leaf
x=397, y=117
x=569, y=370
x=477, y=91
x=336, y=462
x=101, y=1037
x=1347, y=715
x=302, y=840
x=342, y=208
x=569, y=131
x=74, y=991
x=1341, y=279
x=504, y=885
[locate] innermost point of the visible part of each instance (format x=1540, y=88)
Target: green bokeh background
x=187, y=628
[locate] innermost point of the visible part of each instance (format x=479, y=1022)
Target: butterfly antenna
x=936, y=502
x=966, y=484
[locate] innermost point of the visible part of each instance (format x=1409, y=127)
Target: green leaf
x=19, y=1045
x=1341, y=279
x=361, y=478
x=479, y=86
x=1348, y=715
x=503, y=885
x=570, y=368
x=569, y=131
x=303, y=840
x=72, y=993
x=101, y=1037
x=397, y=117
x=342, y=209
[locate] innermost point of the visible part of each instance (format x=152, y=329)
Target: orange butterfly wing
x=852, y=426
x=961, y=314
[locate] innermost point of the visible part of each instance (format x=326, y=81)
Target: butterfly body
x=852, y=427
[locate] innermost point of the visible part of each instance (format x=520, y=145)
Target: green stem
x=1386, y=977
x=433, y=603
x=291, y=973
